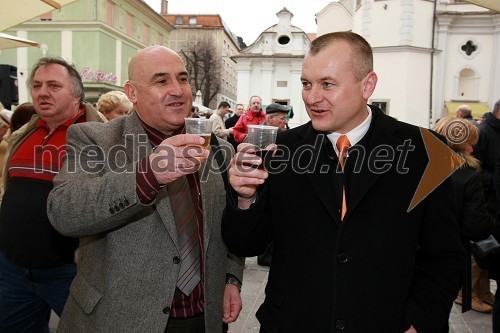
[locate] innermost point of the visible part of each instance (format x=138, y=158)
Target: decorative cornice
x=44, y=26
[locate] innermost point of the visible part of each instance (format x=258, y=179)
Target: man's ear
x=130, y=91
x=369, y=84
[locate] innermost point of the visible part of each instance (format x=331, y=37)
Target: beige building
x=209, y=31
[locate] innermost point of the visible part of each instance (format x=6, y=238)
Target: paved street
x=254, y=283
x=255, y=279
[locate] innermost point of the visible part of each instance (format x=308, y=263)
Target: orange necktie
x=343, y=145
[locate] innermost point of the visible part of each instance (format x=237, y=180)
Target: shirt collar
x=67, y=123
x=356, y=134
x=251, y=114
x=155, y=136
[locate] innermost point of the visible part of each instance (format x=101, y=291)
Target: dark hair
x=496, y=107
x=22, y=114
x=361, y=51
x=224, y=104
x=78, y=90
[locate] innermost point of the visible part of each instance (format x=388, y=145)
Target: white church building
x=430, y=57
x=272, y=65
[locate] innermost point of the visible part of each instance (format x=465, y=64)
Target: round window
x=283, y=40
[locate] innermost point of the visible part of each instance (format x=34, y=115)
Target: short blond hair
x=110, y=100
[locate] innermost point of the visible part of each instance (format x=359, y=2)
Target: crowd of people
x=109, y=219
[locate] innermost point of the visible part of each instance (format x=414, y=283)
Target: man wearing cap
x=277, y=115
x=218, y=126
x=253, y=116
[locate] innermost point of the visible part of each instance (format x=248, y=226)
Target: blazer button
x=166, y=310
x=340, y=324
x=343, y=258
x=176, y=260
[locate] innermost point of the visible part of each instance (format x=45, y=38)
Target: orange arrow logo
x=443, y=161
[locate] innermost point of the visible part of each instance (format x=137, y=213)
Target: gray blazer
x=126, y=272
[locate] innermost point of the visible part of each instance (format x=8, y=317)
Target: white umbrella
x=201, y=107
x=10, y=42
x=197, y=98
x=490, y=4
x=15, y=12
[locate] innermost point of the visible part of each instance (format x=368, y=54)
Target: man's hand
x=244, y=174
x=232, y=304
x=177, y=156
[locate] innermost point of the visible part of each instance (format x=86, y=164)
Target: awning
x=478, y=109
x=10, y=42
x=15, y=12
x=202, y=108
x=490, y=4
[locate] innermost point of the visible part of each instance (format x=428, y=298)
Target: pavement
x=252, y=293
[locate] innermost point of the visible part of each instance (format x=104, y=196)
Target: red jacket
x=248, y=118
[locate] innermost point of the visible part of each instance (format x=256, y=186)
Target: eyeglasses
x=284, y=118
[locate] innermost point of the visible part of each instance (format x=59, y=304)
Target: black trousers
x=194, y=324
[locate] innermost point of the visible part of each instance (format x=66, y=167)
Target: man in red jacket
x=253, y=116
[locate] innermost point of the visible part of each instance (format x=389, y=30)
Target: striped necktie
x=187, y=233
x=343, y=145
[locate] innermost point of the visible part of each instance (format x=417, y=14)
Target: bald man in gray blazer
x=112, y=194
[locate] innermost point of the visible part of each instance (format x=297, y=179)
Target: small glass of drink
x=263, y=137
x=201, y=127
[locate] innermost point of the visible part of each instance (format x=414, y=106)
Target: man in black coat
x=381, y=267
x=231, y=121
x=488, y=153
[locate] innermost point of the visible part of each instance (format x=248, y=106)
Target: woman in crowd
x=114, y=104
x=474, y=220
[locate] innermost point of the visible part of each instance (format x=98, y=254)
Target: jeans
x=28, y=294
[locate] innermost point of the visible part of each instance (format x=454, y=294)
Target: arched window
x=468, y=85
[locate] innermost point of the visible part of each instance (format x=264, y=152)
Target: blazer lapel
x=209, y=177
x=136, y=138
x=206, y=189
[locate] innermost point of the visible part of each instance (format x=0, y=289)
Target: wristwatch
x=233, y=280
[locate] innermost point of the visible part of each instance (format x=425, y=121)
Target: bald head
x=158, y=86
x=464, y=111
x=136, y=63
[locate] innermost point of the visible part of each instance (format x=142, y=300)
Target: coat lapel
x=364, y=178
x=210, y=179
x=325, y=184
x=206, y=189
x=136, y=138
